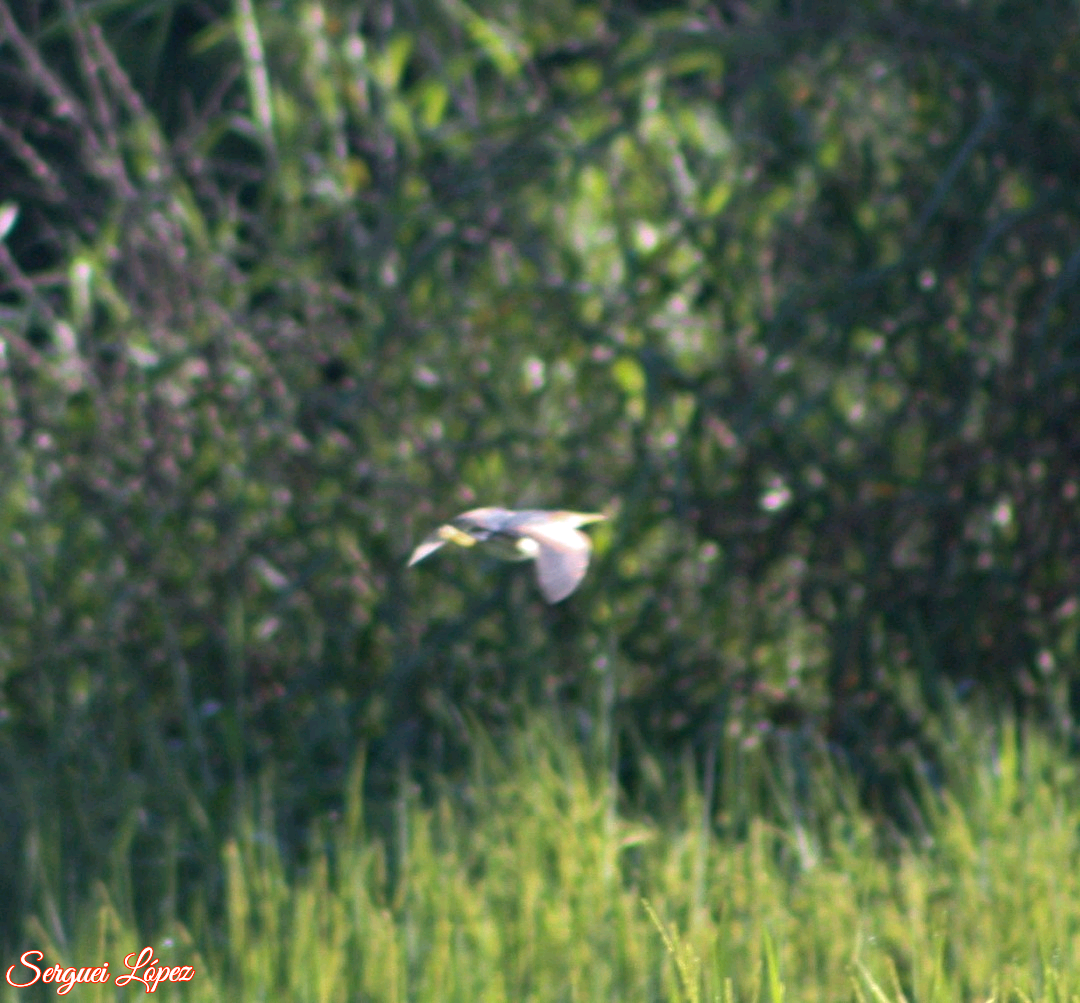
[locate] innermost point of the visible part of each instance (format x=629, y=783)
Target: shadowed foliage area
x=790, y=292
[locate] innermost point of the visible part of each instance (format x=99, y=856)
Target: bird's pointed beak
x=589, y=517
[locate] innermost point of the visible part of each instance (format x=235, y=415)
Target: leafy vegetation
x=531, y=882
x=790, y=293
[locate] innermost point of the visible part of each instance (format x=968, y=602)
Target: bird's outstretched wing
x=562, y=559
x=429, y=546
x=444, y=534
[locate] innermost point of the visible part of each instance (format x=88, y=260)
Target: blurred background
x=790, y=290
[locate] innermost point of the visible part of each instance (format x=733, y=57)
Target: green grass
x=528, y=882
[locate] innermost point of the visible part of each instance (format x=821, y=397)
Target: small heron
x=552, y=539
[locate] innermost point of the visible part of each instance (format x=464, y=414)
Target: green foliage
x=282, y=286
x=525, y=882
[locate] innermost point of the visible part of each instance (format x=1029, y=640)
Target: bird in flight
x=552, y=539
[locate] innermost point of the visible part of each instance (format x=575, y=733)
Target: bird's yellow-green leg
x=451, y=534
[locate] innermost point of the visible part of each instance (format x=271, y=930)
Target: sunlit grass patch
x=533, y=879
